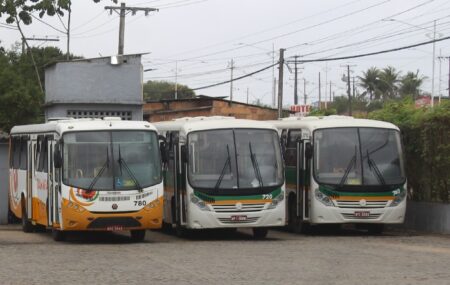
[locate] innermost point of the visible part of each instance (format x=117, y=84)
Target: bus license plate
x=361, y=214
x=114, y=228
x=238, y=218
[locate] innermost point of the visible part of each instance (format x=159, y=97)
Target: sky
x=200, y=38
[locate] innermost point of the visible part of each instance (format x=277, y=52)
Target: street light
x=434, y=48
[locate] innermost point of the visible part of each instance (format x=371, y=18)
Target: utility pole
x=330, y=91
x=122, y=12
x=304, y=91
x=447, y=58
x=354, y=92
x=280, y=82
x=274, y=80
x=434, y=55
x=68, y=32
x=46, y=39
x=247, y=95
x=347, y=79
x=320, y=94
x=176, y=79
x=295, y=81
x=231, y=81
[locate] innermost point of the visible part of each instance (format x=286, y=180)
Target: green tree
x=388, y=83
x=20, y=96
x=370, y=82
x=158, y=90
x=410, y=84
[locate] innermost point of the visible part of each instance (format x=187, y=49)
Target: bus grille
x=351, y=216
x=231, y=208
x=356, y=204
x=249, y=220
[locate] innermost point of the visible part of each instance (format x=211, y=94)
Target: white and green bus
x=222, y=172
x=342, y=170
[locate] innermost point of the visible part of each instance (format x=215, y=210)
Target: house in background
x=95, y=88
x=164, y=110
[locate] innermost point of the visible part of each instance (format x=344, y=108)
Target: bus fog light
x=200, y=203
x=398, y=198
x=324, y=199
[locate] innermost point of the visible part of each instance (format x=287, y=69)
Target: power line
x=45, y=23
x=237, y=78
x=372, y=53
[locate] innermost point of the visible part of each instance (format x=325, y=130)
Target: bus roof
x=333, y=121
x=67, y=124
x=190, y=124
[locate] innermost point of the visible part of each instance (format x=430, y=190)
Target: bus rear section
x=223, y=173
x=344, y=171
x=88, y=175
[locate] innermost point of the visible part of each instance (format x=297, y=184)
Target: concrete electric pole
x=122, y=12
x=280, y=82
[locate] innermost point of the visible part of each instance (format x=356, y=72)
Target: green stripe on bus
x=331, y=192
x=213, y=198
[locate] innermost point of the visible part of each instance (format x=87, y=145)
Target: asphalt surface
x=225, y=257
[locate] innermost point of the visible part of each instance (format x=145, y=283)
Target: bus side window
x=17, y=153
x=291, y=148
x=23, y=153
x=15, y=148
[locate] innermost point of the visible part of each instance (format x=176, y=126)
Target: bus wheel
x=27, y=226
x=58, y=235
x=295, y=224
x=375, y=229
x=181, y=231
x=137, y=235
x=166, y=227
x=260, y=233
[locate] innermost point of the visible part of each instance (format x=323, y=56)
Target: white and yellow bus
x=86, y=174
x=343, y=170
x=222, y=172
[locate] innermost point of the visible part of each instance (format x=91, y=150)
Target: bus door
x=304, y=153
x=26, y=163
x=50, y=181
x=177, y=167
x=54, y=198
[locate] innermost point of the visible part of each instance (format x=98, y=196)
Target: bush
x=426, y=137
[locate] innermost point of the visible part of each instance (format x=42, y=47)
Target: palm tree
x=370, y=82
x=389, y=79
x=410, y=84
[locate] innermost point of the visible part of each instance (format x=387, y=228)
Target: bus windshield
x=358, y=156
x=234, y=159
x=111, y=160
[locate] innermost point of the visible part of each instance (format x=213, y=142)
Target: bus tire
x=166, y=227
x=58, y=235
x=375, y=229
x=295, y=224
x=137, y=235
x=181, y=231
x=27, y=226
x=260, y=233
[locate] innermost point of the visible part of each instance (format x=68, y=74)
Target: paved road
x=344, y=257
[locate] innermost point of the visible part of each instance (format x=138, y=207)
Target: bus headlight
x=323, y=198
x=398, y=198
x=200, y=203
x=276, y=200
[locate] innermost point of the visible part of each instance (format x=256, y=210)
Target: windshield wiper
x=222, y=173
x=347, y=170
x=102, y=169
x=373, y=165
x=255, y=165
x=121, y=162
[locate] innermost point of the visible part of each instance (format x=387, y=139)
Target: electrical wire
x=47, y=24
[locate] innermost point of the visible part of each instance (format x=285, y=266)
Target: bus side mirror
x=57, y=158
x=308, y=150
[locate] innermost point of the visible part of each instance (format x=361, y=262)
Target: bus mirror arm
x=308, y=150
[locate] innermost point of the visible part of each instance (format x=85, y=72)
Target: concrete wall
x=428, y=217
x=60, y=110
x=4, y=183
